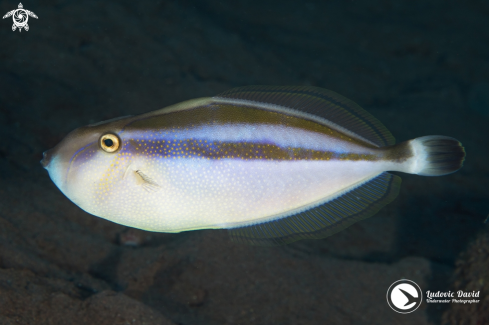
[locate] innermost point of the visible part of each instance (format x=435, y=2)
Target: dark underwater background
x=420, y=67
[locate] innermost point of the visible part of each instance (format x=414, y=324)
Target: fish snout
x=46, y=158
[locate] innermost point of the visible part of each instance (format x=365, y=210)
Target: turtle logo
x=20, y=17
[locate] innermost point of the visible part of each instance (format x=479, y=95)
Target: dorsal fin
x=321, y=102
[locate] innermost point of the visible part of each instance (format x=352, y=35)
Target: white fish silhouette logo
x=20, y=17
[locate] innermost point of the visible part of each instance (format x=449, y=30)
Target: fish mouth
x=46, y=159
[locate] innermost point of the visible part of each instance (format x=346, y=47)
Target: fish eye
x=109, y=142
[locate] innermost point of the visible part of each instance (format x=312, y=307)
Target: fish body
x=254, y=160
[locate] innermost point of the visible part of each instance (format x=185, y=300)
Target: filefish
x=271, y=164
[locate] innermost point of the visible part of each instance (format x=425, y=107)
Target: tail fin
x=437, y=155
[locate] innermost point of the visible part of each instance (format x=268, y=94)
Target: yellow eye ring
x=109, y=142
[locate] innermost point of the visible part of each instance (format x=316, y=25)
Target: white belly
x=196, y=193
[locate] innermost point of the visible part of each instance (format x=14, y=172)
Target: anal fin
x=326, y=219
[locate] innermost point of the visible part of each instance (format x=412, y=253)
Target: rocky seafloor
x=420, y=67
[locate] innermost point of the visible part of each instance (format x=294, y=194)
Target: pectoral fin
x=146, y=182
x=141, y=179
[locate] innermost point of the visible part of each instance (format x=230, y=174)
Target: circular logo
x=404, y=296
x=20, y=16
